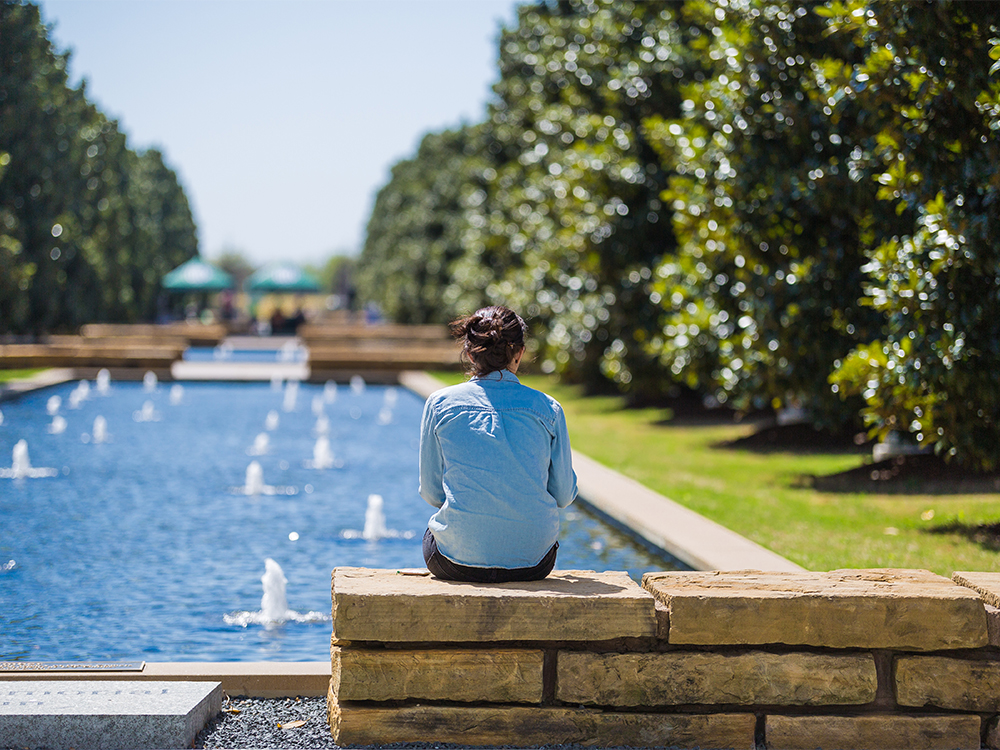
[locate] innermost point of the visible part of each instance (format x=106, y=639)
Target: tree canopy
x=771, y=203
x=88, y=227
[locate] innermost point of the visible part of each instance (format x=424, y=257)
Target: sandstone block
x=464, y=675
x=911, y=610
x=354, y=724
x=381, y=605
x=993, y=624
x=992, y=741
x=883, y=732
x=948, y=683
x=679, y=678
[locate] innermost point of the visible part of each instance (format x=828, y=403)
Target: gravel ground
x=259, y=723
x=280, y=723
x=268, y=723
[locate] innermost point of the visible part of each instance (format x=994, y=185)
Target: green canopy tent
x=281, y=277
x=198, y=278
x=196, y=275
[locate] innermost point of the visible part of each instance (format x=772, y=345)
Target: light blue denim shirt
x=495, y=459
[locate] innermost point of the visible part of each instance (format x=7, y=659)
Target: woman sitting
x=495, y=460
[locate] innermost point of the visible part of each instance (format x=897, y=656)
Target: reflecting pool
x=148, y=536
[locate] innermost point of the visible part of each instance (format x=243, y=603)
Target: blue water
x=217, y=354
x=140, y=546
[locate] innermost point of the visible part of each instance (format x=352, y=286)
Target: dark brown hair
x=490, y=337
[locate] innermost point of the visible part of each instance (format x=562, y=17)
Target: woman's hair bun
x=490, y=338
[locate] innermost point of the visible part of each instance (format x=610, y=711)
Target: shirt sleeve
x=562, y=478
x=431, y=460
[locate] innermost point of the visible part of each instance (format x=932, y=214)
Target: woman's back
x=493, y=457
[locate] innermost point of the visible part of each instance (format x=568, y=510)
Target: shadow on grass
x=986, y=535
x=923, y=474
x=798, y=438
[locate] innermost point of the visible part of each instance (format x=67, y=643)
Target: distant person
x=495, y=460
x=295, y=321
x=277, y=322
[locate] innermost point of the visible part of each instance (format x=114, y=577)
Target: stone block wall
x=875, y=659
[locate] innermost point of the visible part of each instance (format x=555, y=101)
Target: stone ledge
x=99, y=715
x=490, y=725
x=876, y=732
x=944, y=682
x=383, y=606
x=885, y=609
x=746, y=679
x=987, y=585
x=458, y=675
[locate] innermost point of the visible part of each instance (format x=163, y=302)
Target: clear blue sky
x=282, y=118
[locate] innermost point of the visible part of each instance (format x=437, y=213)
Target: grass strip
x=768, y=495
x=21, y=374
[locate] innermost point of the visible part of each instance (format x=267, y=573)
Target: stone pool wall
x=852, y=658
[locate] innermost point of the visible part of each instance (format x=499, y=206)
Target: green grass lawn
x=768, y=497
x=7, y=375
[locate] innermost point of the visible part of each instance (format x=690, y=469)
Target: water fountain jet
x=148, y=413
x=375, y=525
x=260, y=445
x=100, y=434
x=149, y=381
x=322, y=425
x=329, y=391
x=21, y=467
x=291, y=394
x=274, y=603
x=176, y=394
x=103, y=381
x=357, y=385
x=322, y=455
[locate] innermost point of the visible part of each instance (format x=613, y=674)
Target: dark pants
x=443, y=568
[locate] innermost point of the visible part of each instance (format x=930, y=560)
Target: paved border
x=657, y=520
x=260, y=679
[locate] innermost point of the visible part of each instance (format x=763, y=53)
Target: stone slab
x=877, y=732
x=384, y=606
x=461, y=675
x=354, y=724
x=993, y=624
x=992, y=739
x=99, y=715
x=987, y=585
x=942, y=682
x=744, y=679
x=912, y=610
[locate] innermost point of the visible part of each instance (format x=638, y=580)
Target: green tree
x=926, y=87
x=568, y=222
x=89, y=226
x=415, y=231
x=761, y=298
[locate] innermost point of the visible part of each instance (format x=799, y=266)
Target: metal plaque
x=72, y=666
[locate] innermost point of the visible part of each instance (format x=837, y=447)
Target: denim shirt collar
x=497, y=376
